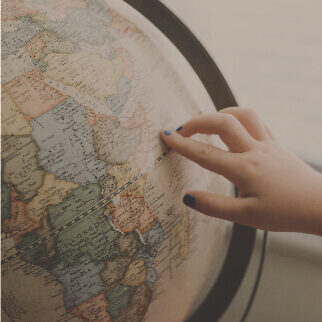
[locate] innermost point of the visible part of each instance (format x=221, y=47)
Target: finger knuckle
x=250, y=163
x=254, y=157
x=249, y=112
x=228, y=109
x=178, y=142
x=249, y=213
x=206, y=150
x=228, y=121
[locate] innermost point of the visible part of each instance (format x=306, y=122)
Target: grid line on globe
x=93, y=226
x=86, y=213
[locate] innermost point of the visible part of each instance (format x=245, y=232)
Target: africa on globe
x=93, y=224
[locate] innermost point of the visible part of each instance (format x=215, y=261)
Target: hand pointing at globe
x=277, y=190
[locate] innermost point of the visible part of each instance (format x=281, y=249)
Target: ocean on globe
x=93, y=226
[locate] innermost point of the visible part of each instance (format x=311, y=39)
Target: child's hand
x=277, y=191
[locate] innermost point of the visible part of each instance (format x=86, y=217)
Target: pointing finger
x=206, y=155
x=227, y=126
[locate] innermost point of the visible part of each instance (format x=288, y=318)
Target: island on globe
x=93, y=226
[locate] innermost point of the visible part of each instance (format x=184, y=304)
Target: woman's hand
x=277, y=190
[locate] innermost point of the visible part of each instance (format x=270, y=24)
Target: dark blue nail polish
x=179, y=128
x=189, y=200
x=166, y=132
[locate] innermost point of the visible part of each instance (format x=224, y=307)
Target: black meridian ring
x=243, y=238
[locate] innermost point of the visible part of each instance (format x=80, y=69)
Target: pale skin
x=277, y=190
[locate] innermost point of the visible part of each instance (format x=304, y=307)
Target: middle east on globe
x=93, y=224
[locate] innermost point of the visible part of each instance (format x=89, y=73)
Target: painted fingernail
x=179, y=128
x=166, y=132
x=189, y=200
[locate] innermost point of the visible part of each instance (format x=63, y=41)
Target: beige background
x=270, y=53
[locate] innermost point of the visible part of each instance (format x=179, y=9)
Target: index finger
x=206, y=155
x=227, y=126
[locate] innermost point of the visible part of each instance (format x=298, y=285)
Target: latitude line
x=103, y=202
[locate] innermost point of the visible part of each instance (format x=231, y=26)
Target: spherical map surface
x=93, y=224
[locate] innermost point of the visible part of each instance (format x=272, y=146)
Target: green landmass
x=119, y=298
x=93, y=235
x=5, y=202
x=34, y=255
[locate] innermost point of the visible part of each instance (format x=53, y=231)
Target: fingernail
x=179, y=128
x=166, y=132
x=189, y=200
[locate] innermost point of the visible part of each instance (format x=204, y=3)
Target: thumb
x=219, y=206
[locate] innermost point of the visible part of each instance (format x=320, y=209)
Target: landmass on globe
x=84, y=94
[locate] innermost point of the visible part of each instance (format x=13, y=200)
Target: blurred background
x=270, y=53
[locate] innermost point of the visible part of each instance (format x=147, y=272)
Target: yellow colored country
x=135, y=274
x=12, y=121
x=124, y=173
x=183, y=235
x=52, y=192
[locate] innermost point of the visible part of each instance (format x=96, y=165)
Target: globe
x=93, y=224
